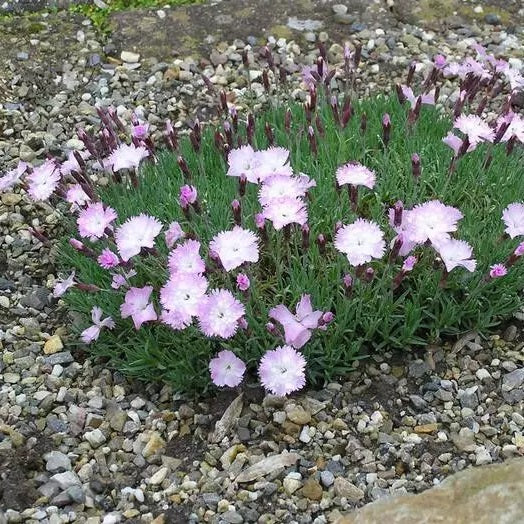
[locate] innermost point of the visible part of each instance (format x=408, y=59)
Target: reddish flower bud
x=184, y=167
x=305, y=237
x=398, y=208
x=386, y=129
x=415, y=166
x=269, y=134
x=411, y=72
x=321, y=243
x=237, y=212
x=363, y=123
x=287, y=120
x=242, y=181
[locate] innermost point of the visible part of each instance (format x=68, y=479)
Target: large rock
x=488, y=495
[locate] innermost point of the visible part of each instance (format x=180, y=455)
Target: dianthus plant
x=288, y=244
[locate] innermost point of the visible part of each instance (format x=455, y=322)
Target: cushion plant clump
x=291, y=243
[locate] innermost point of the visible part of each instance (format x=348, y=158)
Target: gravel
x=79, y=443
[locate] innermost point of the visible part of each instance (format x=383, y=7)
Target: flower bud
x=321, y=243
x=237, y=211
x=415, y=166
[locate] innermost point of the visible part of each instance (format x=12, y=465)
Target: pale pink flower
x=513, y=217
x=361, y=241
x=226, y=369
x=355, y=174
x=136, y=233
x=455, y=253
x=93, y=332
x=94, y=220
x=126, y=156
x=173, y=234
x=298, y=327
x=282, y=370
x=284, y=211
x=175, y=319
x=62, y=285
x=43, y=180
x=515, y=78
x=235, y=247
x=188, y=195
x=426, y=98
x=432, y=221
x=71, y=164
x=516, y=126
x=219, y=314
x=409, y=264
x=280, y=186
x=272, y=161
x=475, y=128
x=77, y=197
x=12, y=177
x=122, y=280
x=137, y=306
x=107, y=259
x=498, y=270
x=455, y=143
x=185, y=258
x=243, y=282
x=243, y=161
x=183, y=294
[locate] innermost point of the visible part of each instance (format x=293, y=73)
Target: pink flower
x=439, y=61
x=515, y=78
x=137, y=306
x=173, y=233
x=297, y=328
x=409, y=264
x=475, y=128
x=455, y=253
x=12, y=177
x=355, y=174
x=280, y=186
x=284, y=211
x=126, y=157
x=71, y=164
x=519, y=250
x=77, y=197
x=282, y=370
x=432, y=221
x=226, y=369
x=513, y=217
x=122, y=280
x=455, y=143
x=185, y=258
x=140, y=131
x=361, y=241
x=94, y=220
x=61, y=286
x=188, y=195
x=271, y=161
x=243, y=282
x=43, y=180
x=516, y=126
x=183, y=294
x=426, y=98
x=107, y=259
x=235, y=247
x=175, y=319
x=135, y=233
x=93, y=332
x=243, y=161
x=498, y=270
x=219, y=314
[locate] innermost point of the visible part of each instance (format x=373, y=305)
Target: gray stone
x=513, y=380
x=63, y=357
x=56, y=462
x=339, y=9
x=327, y=478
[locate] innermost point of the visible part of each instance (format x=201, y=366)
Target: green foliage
x=374, y=317
x=100, y=15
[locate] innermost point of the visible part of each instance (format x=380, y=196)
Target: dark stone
x=492, y=19
x=335, y=466
x=357, y=27
x=37, y=299
x=56, y=425
x=7, y=285
x=63, y=357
